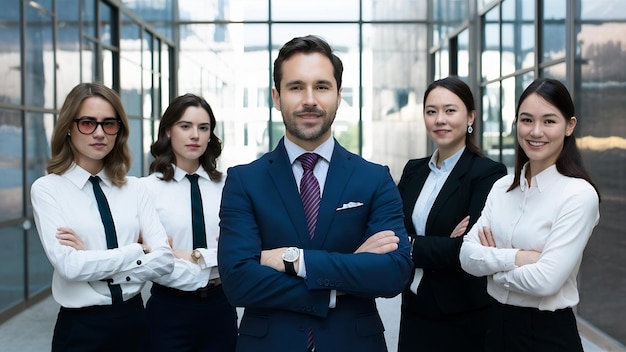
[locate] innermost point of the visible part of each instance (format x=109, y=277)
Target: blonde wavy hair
x=117, y=162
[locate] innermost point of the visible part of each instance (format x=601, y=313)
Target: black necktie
x=109, y=230
x=197, y=213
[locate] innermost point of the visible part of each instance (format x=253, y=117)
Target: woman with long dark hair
x=444, y=308
x=530, y=238
x=187, y=309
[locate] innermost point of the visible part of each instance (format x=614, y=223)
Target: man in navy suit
x=306, y=289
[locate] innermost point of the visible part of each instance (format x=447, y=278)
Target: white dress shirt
x=320, y=170
x=424, y=203
x=68, y=201
x=554, y=215
x=173, y=203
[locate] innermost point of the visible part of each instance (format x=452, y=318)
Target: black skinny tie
x=197, y=213
x=109, y=230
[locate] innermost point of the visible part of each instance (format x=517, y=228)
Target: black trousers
x=521, y=329
x=120, y=327
x=439, y=332
x=191, y=321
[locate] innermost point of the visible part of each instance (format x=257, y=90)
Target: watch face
x=291, y=254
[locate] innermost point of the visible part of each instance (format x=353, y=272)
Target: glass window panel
x=518, y=35
x=12, y=269
x=436, y=57
x=106, y=24
x=107, y=67
x=11, y=164
x=397, y=10
x=41, y=5
x=237, y=10
x=68, y=49
x=599, y=89
x=160, y=14
x=165, y=77
x=490, y=55
x=39, y=267
x=447, y=15
x=89, y=17
x=394, y=78
x=130, y=43
x=507, y=132
x=553, y=30
x=130, y=76
x=88, y=57
x=604, y=10
x=10, y=57
x=463, y=55
x=147, y=134
x=491, y=120
x=320, y=10
x=39, y=69
x=134, y=144
x=558, y=71
x=39, y=128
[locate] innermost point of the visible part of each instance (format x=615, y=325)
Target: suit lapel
x=452, y=184
x=415, y=177
x=285, y=185
x=339, y=172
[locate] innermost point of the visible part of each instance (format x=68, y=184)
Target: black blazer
x=445, y=287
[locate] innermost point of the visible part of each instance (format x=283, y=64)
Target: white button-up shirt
x=173, y=203
x=554, y=215
x=68, y=201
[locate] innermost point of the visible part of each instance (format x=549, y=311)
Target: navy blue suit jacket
x=261, y=209
x=445, y=287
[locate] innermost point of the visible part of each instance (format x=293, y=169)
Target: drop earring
x=470, y=129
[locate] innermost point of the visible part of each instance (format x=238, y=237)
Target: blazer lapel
x=452, y=184
x=415, y=179
x=339, y=172
x=285, y=185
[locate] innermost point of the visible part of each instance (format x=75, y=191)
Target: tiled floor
x=31, y=330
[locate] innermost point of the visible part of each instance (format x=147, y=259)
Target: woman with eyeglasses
x=98, y=227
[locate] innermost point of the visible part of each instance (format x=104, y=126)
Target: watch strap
x=289, y=268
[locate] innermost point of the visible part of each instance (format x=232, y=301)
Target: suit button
x=300, y=327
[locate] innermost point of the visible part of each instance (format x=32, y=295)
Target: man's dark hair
x=307, y=45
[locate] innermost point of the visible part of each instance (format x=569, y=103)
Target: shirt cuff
x=333, y=299
x=301, y=267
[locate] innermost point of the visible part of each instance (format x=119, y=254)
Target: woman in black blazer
x=444, y=308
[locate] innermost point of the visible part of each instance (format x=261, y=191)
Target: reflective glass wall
x=580, y=42
x=46, y=48
x=227, y=49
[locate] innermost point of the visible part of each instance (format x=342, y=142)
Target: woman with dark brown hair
x=444, y=308
x=188, y=310
x=530, y=238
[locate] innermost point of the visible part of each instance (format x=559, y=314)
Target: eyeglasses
x=87, y=125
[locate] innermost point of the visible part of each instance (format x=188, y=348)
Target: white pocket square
x=350, y=205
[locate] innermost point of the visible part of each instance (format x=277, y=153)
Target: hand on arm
x=380, y=243
x=522, y=257
x=67, y=237
x=485, y=236
x=460, y=228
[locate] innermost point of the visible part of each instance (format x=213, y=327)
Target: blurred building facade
x=153, y=50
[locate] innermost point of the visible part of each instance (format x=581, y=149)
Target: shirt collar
x=179, y=173
x=543, y=180
x=448, y=164
x=79, y=176
x=325, y=150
